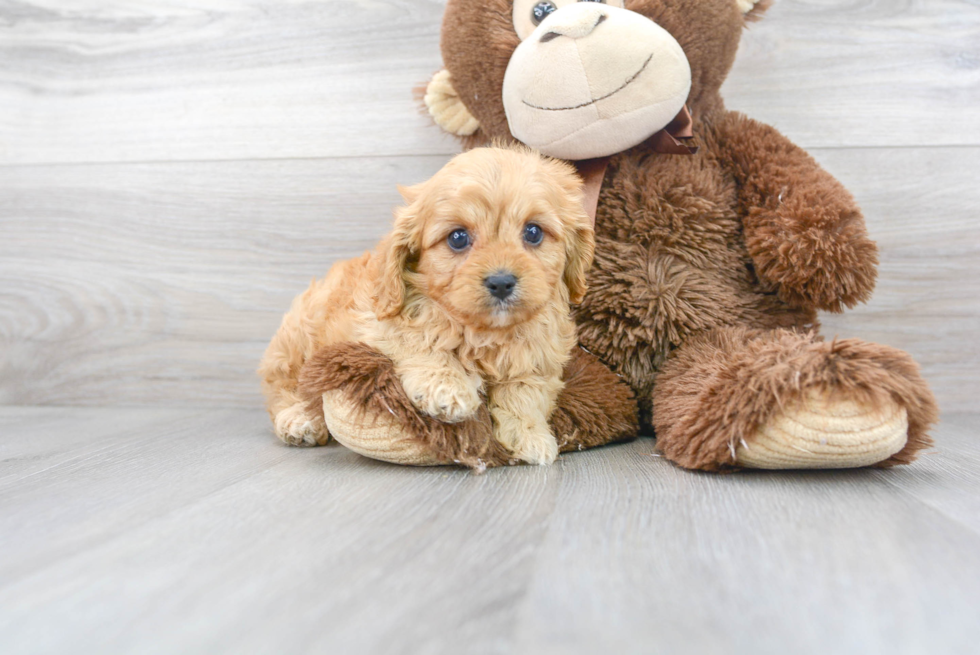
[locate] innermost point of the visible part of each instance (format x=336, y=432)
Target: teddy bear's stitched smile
x=595, y=100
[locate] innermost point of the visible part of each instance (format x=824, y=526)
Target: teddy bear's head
x=581, y=79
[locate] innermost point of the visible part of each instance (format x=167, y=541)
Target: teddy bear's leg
x=367, y=410
x=594, y=408
x=365, y=407
x=777, y=399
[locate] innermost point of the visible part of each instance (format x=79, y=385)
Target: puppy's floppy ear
x=579, y=233
x=395, y=251
x=579, y=250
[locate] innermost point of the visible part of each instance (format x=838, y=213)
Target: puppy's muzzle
x=500, y=285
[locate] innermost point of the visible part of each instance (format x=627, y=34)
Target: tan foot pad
x=818, y=432
x=381, y=439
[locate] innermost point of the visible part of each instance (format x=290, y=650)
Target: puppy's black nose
x=500, y=285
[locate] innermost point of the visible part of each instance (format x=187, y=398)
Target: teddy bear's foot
x=818, y=431
x=380, y=438
x=368, y=411
x=596, y=407
x=779, y=399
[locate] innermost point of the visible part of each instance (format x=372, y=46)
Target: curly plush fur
x=433, y=310
x=725, y=383
x=710, y=268
x=594, y=408
x=712, y=262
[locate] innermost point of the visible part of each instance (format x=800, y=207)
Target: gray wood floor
x=172, y=172
x=187, y=531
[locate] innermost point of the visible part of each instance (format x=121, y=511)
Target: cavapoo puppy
x=468, y=296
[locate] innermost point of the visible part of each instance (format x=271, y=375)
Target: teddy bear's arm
x=803, y=229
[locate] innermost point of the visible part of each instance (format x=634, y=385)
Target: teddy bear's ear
x=752, y=10
x=445, y=107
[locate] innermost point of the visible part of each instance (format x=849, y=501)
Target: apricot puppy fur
x=468, y=296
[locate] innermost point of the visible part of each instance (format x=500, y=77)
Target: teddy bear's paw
x=296, y=427
x=378, y=436
x=444, y=396
x=822, y=431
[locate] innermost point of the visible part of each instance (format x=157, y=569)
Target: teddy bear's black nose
x=500, y=285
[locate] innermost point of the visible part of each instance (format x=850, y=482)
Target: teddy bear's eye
x=541, y=11
x=533, y=234
x=459, y=240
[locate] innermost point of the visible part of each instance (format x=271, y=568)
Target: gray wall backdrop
x=172, y=173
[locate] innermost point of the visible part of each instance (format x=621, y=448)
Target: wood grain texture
x=160, y=80
x=947, y=477
x=848, y=73
x=202, y=80
x=921, y=208
x=201, y=533
x=173, y=172
x=161, y=284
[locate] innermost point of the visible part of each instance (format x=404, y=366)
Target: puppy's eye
x=533, y=234
x=459, y=240
x=541, y=11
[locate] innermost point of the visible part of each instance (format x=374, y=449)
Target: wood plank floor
x=188, y=531
x=173, y=172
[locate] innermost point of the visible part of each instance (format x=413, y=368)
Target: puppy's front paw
x=540, y=450
x=530, y=443
x=297, y=428
x=443, y=395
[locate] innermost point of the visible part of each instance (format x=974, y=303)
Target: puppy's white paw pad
x=457, y=404
x=297, y=428
x=446, y=402
x=540, y=451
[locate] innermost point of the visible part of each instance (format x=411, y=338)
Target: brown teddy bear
x=713, y=253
